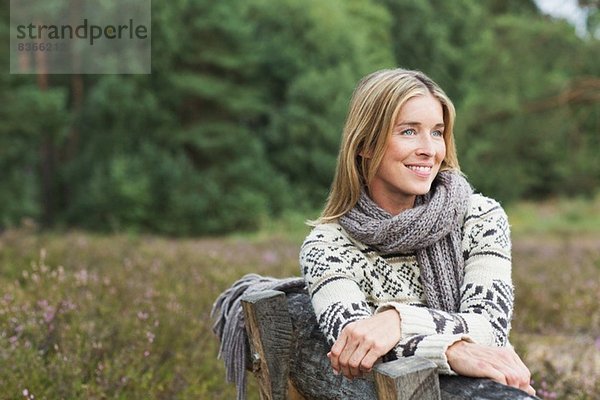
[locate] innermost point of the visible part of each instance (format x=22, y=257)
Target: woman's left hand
x=362, y=343
x=500, y=364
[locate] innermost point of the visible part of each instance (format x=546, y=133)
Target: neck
x=392, y=204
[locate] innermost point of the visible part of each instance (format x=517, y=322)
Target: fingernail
x=335, y=372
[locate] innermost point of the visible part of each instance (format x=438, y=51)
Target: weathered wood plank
x=269, y=329
x=293, y=393
x=311, y=372
x=407, y=378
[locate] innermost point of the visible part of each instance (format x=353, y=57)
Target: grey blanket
x=229, y=322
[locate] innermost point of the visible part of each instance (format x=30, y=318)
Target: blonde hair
x=374, y=107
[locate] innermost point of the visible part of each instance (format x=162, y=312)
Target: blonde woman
x=405, y=259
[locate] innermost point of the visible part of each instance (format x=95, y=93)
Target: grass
x=88, y=316
x=558, y=217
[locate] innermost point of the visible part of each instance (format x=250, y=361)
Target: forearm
x=485, y=319
x=336, y=316
x=332, y=280
x=425, y=321
x=432, y=347
x=337, y=302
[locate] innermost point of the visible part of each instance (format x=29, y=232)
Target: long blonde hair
x=374, y=107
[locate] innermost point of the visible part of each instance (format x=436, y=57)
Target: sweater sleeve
x=332, y=271
x=486, y=293
x=432, y=347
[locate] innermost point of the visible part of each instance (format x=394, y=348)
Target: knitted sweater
x=348, y=281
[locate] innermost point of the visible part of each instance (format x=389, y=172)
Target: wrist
x=455, y=351
x=392, y=321
x=389, y=309
x=456, y=346
x=394, y=315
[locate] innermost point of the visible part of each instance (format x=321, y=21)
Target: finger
x=517, y=374
x=524, y=373
x=530, y=390
x=356, y=360
x=344, y=359
x=525, y=379
x=345, y=370
x=335, y=371
x=336, y=350
x=514, y=376
x=525, y=383
x=368, y=361
x=513, y=379
x=339, y=345
x=495, y=375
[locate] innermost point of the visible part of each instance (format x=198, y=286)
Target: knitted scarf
x=432, y=229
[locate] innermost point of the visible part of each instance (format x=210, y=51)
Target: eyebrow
x=411, y=123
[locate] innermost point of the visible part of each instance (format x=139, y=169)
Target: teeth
x=419, y=169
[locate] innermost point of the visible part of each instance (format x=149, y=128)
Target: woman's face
x=413, y=155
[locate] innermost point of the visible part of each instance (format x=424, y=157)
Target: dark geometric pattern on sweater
x=445, y=322
x=319, y=261
x=489, y=206
x=493, y=223
x=325, y=282
x=394, y=280
x=337, y=315
x=496, y=302
x=342, y=260
x=409, y=347
x=460, y=325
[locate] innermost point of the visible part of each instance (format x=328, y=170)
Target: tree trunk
x=47, y=150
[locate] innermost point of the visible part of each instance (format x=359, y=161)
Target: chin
x=423, y=190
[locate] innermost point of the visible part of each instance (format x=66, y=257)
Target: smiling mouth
x=419, y=169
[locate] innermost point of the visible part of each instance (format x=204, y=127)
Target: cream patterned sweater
x=348, y=281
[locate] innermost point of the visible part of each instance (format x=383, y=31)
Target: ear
x=365, y=154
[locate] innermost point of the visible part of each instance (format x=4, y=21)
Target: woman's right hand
x=500, y=364
x=361, y=343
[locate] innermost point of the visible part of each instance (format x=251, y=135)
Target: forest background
x=129, y=202
x=241, y=117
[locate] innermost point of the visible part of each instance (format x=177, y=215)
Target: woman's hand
x=361, y=343
x=500, y=364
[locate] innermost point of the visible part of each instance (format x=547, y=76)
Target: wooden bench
x=288, y=358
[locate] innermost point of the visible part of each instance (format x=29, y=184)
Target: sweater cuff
x=433, y=347
x=413, y=320
x=419, y=321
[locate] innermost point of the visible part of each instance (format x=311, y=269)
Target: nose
x=426, y=146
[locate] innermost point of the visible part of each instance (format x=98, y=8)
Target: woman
x=405, y=259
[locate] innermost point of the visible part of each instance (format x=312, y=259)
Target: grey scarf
x=432, y=229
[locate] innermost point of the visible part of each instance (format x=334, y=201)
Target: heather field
x=88, y=316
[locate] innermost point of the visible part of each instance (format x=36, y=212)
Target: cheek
x=441, y=151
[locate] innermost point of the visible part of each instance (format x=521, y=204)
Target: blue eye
x=437, y=133
x=409, y=132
